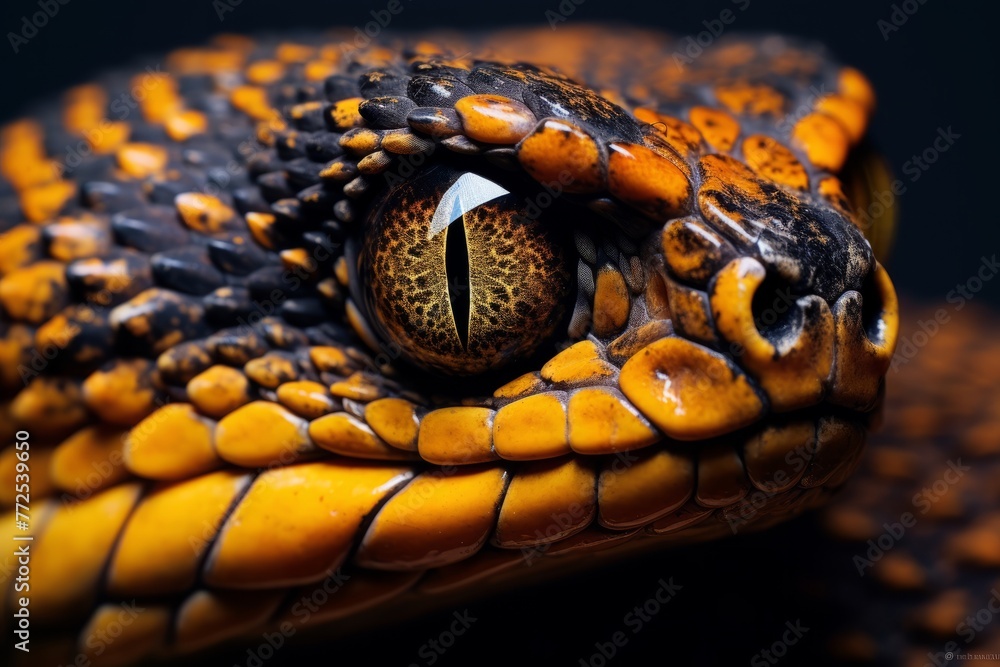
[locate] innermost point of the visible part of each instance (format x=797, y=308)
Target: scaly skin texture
x=245, y=366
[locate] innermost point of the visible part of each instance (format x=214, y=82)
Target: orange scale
x=777, y=457
x=648, y=181
x=290, y=52
x=111, y=135
x=854, y=85
x=210, y=617
x=752, y=99
x=534, y=427
x=357, y=387
x=159, y=99
x=319, y=70
x=183, y=125
x=689, y=391
x=722, y=480
x=253, y=101
x=86, y=529
x=122, y=393
x=345, y=434
x=771, y=160
x=793, y=376
x=581, y=362
x=560, y=154
x=204, y=61
x=456, y=436
x=203, y=213
x=643, y=487
x=264, y=72
x=330, y=359
x=91, y=459
x=438, y=519
x=547, y=501
x=16, y=347
x=718, y=128
x=848, y=111
x=19, y=247
x=36, y=292
x=174, y=442
x=396, y=421
x=308, y=515
x=494, y=119
x=262, y=434
x=140, y=160
x=70, y=239
x=43, y=202
x=823, y=139
x=602, y=422
x=50, y=406
x=163, y=543
x=305, y=398
x=219, y=390
x=139, y=632
x=682, y=138
x=260, y=225
x=344, y=114
x=529, y=383
x=84, y=108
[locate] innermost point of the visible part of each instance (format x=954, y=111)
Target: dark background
x=939, y=70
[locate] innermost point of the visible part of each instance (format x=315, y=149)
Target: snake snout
x=794, y=292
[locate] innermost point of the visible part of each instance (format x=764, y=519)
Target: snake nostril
x=872, y=309
x=774, y=309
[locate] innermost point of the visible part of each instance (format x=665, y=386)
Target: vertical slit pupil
x=456, y=260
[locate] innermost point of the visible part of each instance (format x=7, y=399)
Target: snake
x=307, y=331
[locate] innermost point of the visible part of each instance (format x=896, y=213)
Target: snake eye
x=458, y=276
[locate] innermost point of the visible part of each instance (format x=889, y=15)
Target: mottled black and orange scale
x=215, y=425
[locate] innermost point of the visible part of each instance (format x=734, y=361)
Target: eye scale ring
x=457, y=277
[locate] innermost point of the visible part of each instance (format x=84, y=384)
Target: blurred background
x=934, y=67
x=937, y=70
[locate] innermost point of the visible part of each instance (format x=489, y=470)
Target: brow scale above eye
x=465, y=194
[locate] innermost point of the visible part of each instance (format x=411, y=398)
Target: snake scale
x=301, y=332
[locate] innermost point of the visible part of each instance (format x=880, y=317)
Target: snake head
x=438, y=307
x=632, y=276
